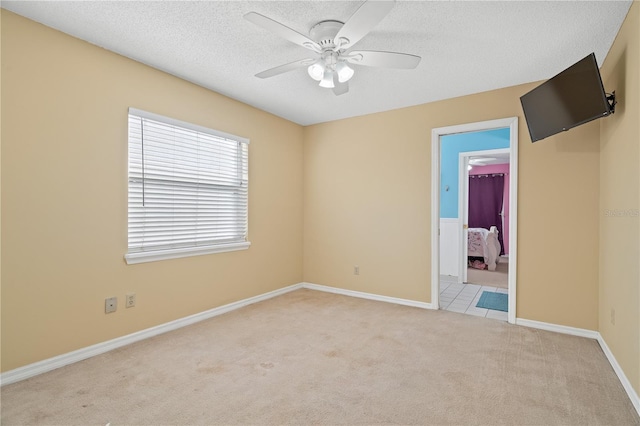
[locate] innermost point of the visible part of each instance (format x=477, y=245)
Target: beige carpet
x=498, y=278
x=309, y=357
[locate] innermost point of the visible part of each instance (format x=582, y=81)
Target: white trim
x=152, y=256
x=463, y=216
x=22, y=373
x=370, y=296
x=435, y=219
x=513, y=217
x=449, y=220
x=436, y=133
x=474, y=127
x=40, y=367
x=563, y=329
x=633, y=395
x=581, y=332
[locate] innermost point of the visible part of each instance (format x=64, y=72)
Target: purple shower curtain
x=486, y=194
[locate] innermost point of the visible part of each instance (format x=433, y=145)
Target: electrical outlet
x=110, y=305
x=613, y=316
x=130, y=300
x=356, y=270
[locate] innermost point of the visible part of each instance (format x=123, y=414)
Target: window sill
x=153, y=256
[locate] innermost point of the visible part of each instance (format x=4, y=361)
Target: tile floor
x=462, y=298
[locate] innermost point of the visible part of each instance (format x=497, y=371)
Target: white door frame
x=436, y=134
x=463, y=204
x=463, y=215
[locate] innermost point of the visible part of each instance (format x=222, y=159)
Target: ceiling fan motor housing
x=324, y=33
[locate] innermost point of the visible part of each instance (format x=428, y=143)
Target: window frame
x=141, y=256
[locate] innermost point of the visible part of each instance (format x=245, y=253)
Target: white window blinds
x=187, y=189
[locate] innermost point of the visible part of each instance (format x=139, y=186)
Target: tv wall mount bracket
x=611, y=99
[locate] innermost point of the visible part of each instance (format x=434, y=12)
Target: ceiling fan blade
x=482, y=161
x=339, y=88
x=282, y=30
x=368, y=15
x=285, y=68
x=374, y=58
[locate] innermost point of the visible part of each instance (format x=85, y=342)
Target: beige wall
x=620, y=201
x=357, y=194
x=64, y=197
x=367, y=197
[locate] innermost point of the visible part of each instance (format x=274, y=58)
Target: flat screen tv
x=571, y=98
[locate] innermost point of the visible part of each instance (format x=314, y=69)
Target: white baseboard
x=633, y=395
x=581, y=332
x=370, y=296
x=50, y=364
x=46, y=365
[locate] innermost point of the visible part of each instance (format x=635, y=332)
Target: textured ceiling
x=466, y=46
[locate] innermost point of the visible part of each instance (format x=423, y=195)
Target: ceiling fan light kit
x=324, y=71
x=327, y=79
x=331, y=42
x=345, y=72
x=316, y=70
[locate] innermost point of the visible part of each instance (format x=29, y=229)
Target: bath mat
x=493, y=300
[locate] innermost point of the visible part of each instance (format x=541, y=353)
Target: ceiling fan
x=331, y=42
x=481, y=161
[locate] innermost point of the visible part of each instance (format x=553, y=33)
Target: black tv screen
x=573, y=97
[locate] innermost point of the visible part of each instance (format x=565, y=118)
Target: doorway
x=510, y=126
x=483, y=202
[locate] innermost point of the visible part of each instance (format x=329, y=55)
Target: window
x=187, y=189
